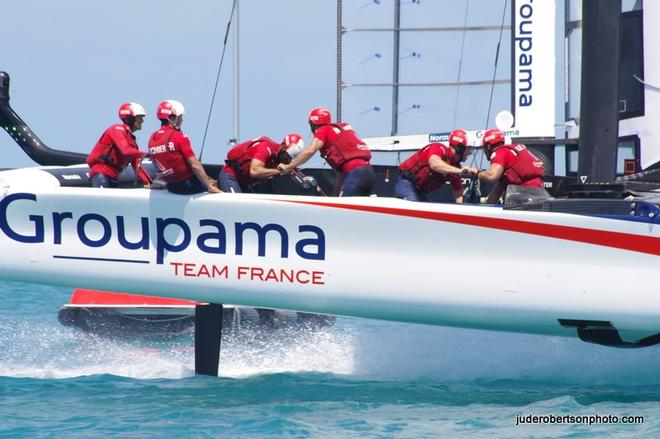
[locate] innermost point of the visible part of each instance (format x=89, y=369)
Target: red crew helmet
x=293, y=144
x=458, y=137
x=169, y=108
x=319, y=116
x=492, y=137
x=130, y=109
x=458, y=140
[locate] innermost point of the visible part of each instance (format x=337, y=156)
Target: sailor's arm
x=458, y=195
x=126, y=148
x=495, y=193
x=259, y=170
x=492, y=174
x=441, y=167
x=200, y=173
x=304, y=155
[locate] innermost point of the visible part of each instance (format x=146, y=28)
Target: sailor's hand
x=471, y=170
x=284, y=169
x=214, y=190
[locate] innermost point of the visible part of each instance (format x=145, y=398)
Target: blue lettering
x=107, y=230
x=525, y=44
x=319, y=242
x=261, y=234
x=58, y=217
x=525, y=83
x=525, y=60
x=526, y=11
x=37, y=219
x=220, y=235
x=521, y=27
x=171, y=235
x=124, y=242
x=162, y=244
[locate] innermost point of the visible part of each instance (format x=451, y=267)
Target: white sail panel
x=533, y=74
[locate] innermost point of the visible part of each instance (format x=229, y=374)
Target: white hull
x=443, y=264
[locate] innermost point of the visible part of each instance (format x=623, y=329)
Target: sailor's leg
x=358, y=182
x=228, y=183
x=102, y=180
x=406, y=190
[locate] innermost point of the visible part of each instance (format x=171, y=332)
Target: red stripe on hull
x=623, y=241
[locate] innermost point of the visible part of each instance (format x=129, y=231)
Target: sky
x=73, y=62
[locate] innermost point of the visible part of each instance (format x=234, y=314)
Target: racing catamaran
x=554, y=266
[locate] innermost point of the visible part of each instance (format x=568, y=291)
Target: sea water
x=357, y=378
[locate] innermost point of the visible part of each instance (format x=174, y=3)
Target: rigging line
x=646, y=84
x=460, y=63
x=492, y=86
x=217, y=79
x=497, y=57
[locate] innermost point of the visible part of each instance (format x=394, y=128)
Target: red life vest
x=416, y=168
x=167, y=156
x=239, y=157
x=527, y=167
x=105, y=151
x=114, y=150
x=347, y=147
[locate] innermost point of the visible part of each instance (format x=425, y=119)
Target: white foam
x=353, y=347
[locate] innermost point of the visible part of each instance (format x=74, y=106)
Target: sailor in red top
x=509, y=164
x=173, y=155
x=344, y=151
x=117, y=148
x=257, y=160
x=433, y=166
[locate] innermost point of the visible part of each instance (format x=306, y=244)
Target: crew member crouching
x=432, y=166
x=509, y=164
x=257, y=160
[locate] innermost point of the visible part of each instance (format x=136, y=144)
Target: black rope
x=217, y=78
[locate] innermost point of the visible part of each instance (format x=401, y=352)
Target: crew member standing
x=432, y=166
x=509, y=164
x=117, y=148
x=170, y=150
x=344, y=151
x=257, y=160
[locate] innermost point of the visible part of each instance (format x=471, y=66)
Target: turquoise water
x=359, y=378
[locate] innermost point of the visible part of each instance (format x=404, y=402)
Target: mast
x=395, y=61
x=340, y=31
x=236, y=96
x=599, y=96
